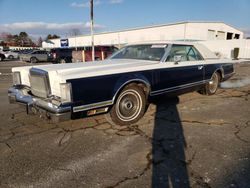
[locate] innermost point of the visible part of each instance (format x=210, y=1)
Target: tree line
x=23, y=39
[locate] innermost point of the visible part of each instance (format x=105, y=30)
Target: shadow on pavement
x=169, y=166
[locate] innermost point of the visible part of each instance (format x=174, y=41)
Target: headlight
x=16, y=78
x=65, y=92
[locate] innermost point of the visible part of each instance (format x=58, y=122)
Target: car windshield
x=152, y=52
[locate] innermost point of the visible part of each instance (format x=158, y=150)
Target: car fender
x=126, y=80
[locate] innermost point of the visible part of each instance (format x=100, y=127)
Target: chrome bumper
x=39, y=106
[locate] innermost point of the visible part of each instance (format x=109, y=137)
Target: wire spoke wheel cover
x=129, y=105
x=213, y=84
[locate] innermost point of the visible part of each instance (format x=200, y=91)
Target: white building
x=217, y=32
x=178, y=31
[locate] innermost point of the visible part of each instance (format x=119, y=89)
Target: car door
x=44, y=55
x=37, y=54
x=183, y=69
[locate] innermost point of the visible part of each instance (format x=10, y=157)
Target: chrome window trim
x=167, y=51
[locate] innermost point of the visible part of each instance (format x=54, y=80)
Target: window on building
x=237, y=36
x=210, y=35
x=221, y=35
x=229, y=36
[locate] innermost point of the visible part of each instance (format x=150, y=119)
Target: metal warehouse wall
x=226, y=47
x=200, y=31
x=178, y=31
x=173, y=32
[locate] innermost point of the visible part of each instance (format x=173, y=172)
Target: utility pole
x=92, y=28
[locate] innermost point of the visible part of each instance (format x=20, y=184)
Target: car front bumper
x=34, y=105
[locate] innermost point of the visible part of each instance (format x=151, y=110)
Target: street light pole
x=92, y=28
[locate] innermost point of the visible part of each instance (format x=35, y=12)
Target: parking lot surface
x=186, y=141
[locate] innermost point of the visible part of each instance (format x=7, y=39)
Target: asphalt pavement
x=186, y=141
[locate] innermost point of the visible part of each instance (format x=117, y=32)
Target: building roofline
x=164, y=42
x=153, y=26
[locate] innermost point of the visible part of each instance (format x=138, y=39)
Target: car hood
x=90, y=69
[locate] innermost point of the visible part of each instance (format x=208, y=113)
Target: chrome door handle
x=200, y=67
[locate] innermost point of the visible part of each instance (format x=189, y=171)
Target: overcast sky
x=41, y=17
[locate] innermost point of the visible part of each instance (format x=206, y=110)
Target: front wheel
x=33, y=60
x=11, y=57
x=129, y=107
x=212, y=86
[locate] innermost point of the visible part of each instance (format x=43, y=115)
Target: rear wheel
x=129, y=107
x=33, y=60
x=212, y=86
x=1, y=58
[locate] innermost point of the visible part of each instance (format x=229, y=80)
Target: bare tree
x=74, y=32
x=39, y=42
x=22, y=39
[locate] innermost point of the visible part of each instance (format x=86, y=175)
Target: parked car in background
x=26, y=51
x=11, y=55
x=36, y=56
x=61, y=55
x=2, y=56
x=122, y=84
x=16, y=51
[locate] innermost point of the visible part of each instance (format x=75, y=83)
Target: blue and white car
x=120, y=85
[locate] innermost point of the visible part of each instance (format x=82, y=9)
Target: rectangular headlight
x=16, y=78
x=66, y=92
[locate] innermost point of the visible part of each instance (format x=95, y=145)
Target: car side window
x=177, y=50
x=193, y=54
x=185, y=52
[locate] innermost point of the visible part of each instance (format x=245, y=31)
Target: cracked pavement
x=186, y=141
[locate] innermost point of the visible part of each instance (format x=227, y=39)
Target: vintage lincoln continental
x=120, y=85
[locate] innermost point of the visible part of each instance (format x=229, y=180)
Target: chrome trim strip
x=92, y=106
x=177, y=87
x=167, y=50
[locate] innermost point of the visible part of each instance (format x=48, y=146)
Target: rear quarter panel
x=223, y=67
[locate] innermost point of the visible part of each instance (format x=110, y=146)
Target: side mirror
x=177, y=59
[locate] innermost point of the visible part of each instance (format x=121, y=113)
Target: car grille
x=39, y=83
